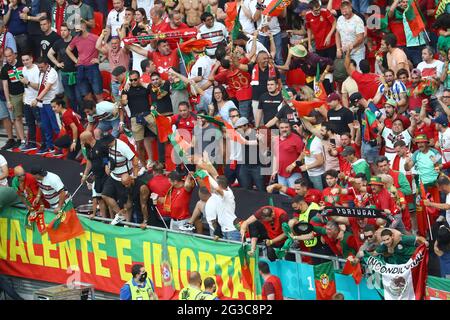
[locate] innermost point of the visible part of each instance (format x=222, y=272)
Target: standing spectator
x=6, y=41
x=32, y=116
x=339, y=117
x=392, y=89
x=350, y=33
x=313, y=154
x=301, y=188
x=72, y=125
x=77, y=13
x=89, y=78
x=212, y=30
x=287, y=151
x=358, y=165
x=13, y=88
x=137, y=99
x=58, y=15
x=366, y=80
x=175, y=23
x=442, y=249
x=105, y=115
x=321, y=25
x=178, y=89
x=160, y=94
x=271, y=289
x=206, y=137
x=396, y=57
x=138, y=199
x=159, y=184
x=178, y=198
x=115, y=19
x=184, y=120
x=17, y=26
x=49, y=37
x=234, y=152
x=116, y=55
x=430, y=68
x=33, y=13
x=268, y=105
x=67, y=68
x=221, y=103
x=47, y=88
x=156, y=16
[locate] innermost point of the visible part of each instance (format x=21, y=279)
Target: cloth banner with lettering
x=400, y=281
x=355, y=212
x=104, y=254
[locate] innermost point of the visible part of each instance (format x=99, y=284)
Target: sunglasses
x=134, y=80
x=368, y=237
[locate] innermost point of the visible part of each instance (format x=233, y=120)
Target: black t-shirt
x=98, y=155
x=163, y=103
x=47, y=42
x=340, y=119
x=138, y=99
x=288, y=113
x=258, y=90
x=60, y=47
x=34, y=28
x=11, y=73
x=269, y=105
x=251, y=153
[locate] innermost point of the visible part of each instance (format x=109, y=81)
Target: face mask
x=143, y=277
x=78, y=33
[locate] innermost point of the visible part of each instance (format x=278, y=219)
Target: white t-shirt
x=112, y=21
x=444, y=144
x=137, y=58
x=52, y=78
x=31, y=75
x=51, y=186
x=216, y=35
x=3, y=162
x=429, y=70
x=225, y=211
x=259, y=46
x=122, y=155
x=390, y=139
x=147, y=5
x=211, y=209
x=272, y=22
x=315, y=148
x=348, y=29
x=204, y=64
x=247, y=24
x=103, y=111
x=447, y=212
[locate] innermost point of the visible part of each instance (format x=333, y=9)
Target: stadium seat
x=106, y=77
x=98, y=19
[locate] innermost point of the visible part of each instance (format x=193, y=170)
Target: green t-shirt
x=361, y=166
x=402, y=251
x=424, y=165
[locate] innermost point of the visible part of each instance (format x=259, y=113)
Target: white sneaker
x=142, y=171
x=117, y=219
x=187, y=227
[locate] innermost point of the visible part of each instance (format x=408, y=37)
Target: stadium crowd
x=334, y=104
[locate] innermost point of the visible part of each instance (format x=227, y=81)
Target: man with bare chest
x=191, y=9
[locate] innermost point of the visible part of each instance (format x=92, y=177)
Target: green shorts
x=17, y=102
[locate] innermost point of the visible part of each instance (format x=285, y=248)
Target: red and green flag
x=276, y=7
x=65, y=226
x=354, y=270
x=324, y=281
x=304, y=108
x=164, y=126
x=168, y=288
x=415, y=18
x=180, y=146
x=230, y=131
x=203, y=177
x=246, y=274
x=319, y=90
x=237, y=27
x=370, y=124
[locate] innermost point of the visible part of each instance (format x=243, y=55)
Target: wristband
x=74, y=141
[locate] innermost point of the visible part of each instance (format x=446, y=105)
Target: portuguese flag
x=415, y=18
x=180, y=146
x=218, y=121
x=164, y=126
x=237, y=27
x=276, y=7
x=201, y=175
x=304, y=108
x=168, y=288
x=65, y=226
x=370, y=124
x=324, y=281
x=319, y=90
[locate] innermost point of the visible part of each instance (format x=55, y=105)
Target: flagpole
x=159, y=213
x=75, y=192
x=184, y=66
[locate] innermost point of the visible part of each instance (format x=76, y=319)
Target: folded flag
x=168, y=289
x=400, y=281
x=415, y=18
x=180, y=146
x=230, y=131
x=164, y=126
x=370, y=124
x=319, y=90
x=202, y=175
x=304, y=108
x=246, y=274
x=354, y=270
x=276, y=7
x=65, y=226
x=324, y=281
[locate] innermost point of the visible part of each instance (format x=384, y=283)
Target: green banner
x=103, y=256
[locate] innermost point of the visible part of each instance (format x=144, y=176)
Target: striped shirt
x=393, y=92
x=50, y=187
x=104, y=110
x=122, y=155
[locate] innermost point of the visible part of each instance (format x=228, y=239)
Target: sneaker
x=42, y=151
x=51, y=150
x=17, y=143
x=117, y=219
x=187, y=227
x=9, y=144
x=27, y=147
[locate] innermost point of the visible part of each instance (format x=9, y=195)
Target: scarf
x=255, y=74
x=168, y=200
x=58, y=17
x=309, y=140
x=44, y=80
x=396, y=163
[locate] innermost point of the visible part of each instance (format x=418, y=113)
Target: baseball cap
x=333, y=96
x=242, y=121
x=442, y=119
x=355, y=97
x=348, y=150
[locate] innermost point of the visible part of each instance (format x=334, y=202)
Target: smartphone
x=333, y=141
x=200, y=72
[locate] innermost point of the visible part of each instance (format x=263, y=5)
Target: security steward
x=194, y=291
x=139, y=287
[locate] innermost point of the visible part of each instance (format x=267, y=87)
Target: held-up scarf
x=309, y=141
x=255, y=74
x=44, y=80
x=58, y=17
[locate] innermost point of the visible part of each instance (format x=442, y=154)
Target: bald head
x=19, y=171
x=195, y=279
x=86, y=137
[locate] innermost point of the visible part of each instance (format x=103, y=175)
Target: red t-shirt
x=186, y=124
x=156, y=28
x=273, y=228
x=238, y=82
x=320, y=27
x=333, y=200
x=312, y=195
x=165, y=27
x=164, y=63
x=272, y=286
x=69, y=117
x=405, y=120
x=160, y=184
x=367, y=83
x=384, y=200
x=344, y=165
x=357, y=230
x=288, y=151
x=180, y=200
